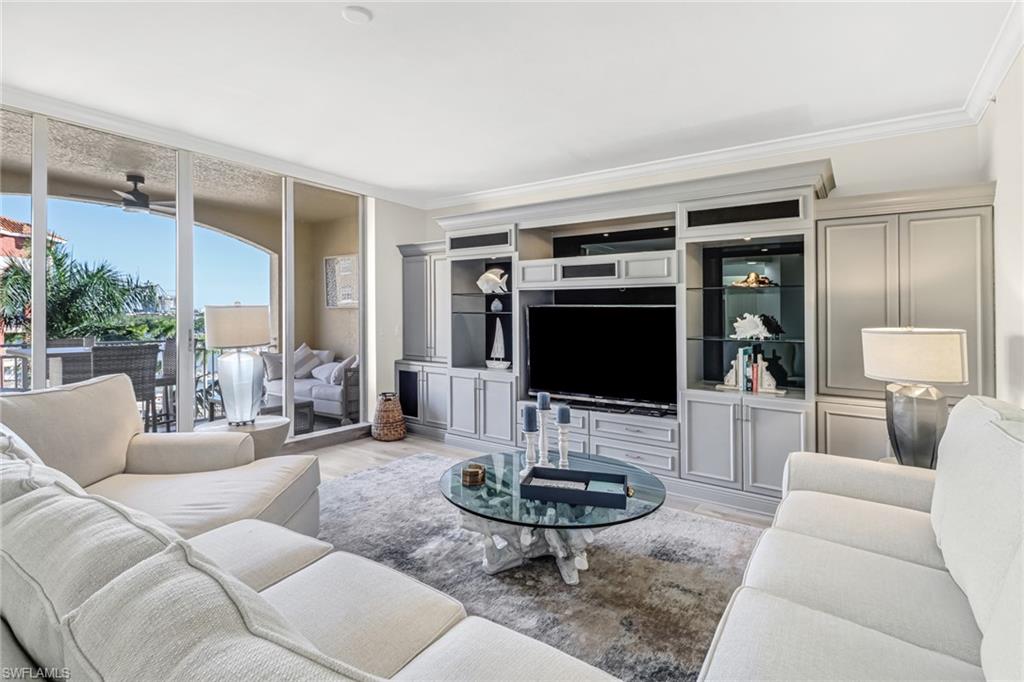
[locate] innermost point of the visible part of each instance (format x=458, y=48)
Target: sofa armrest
x=901, y=486
x=183, y=453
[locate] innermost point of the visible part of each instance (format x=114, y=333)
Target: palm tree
x=81, y=298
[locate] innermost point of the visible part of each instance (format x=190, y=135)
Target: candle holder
x=563, y=446
x=542, y=445
x=531, y=452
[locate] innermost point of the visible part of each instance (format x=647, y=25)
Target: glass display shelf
x=746, y=290
x=723, y=339
x=791, y=392
x=480, y=312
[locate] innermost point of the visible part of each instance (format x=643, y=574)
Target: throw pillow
x=60, y=546
x=325, y=372
x=176, y=616
x=305, y=361
x=324, y=355
x=273, y=365
x=338, y=375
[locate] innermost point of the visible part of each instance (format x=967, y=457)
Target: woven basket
x=389, y=422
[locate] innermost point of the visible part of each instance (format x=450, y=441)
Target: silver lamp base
x=240, y=374
x=916, y=415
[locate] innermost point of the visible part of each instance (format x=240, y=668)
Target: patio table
x=54, y=358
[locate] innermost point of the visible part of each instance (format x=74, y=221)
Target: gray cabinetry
x=426, y=302
x=742, y=441
x=858, y=261
x=415, y=276
x=423, y=393
x=481, y=405
x=923, y=269
x=853, y=428
x=712, y=450
x=946, y=281
x=771, y=430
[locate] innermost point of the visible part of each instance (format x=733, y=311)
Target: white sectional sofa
x=94, y=589
x=877, y=571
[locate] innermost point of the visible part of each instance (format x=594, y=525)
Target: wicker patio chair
x=74, y=368
x=138, y=361
x=166, y=381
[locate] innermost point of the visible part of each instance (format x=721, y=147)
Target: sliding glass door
x=141, y=238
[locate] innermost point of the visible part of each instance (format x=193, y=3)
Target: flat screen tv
x=615, y=353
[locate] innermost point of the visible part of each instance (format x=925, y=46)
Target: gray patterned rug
x=645, y=610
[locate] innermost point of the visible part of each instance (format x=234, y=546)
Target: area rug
x=646, y=610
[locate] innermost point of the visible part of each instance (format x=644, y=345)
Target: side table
x=268, y=433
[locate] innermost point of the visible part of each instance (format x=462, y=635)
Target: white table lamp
x=913, y=358
x=234, y=328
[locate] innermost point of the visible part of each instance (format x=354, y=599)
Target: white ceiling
x=439, y=99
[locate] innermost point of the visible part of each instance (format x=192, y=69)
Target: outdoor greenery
x=83, y=299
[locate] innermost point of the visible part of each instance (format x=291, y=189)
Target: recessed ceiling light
x=747, y=239
x=764, y=250
x=605, y=234
x=354, y=14
x=665, y=229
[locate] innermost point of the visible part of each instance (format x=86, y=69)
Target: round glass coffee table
x=515, y=528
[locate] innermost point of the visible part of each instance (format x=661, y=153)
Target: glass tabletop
x=499, y=499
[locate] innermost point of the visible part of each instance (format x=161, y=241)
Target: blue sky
x=225, y=269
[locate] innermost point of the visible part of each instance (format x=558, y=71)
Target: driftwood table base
x=507, y=546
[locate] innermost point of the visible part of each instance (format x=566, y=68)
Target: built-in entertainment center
x=678, y=321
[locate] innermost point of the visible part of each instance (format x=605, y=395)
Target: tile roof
x=16, y=228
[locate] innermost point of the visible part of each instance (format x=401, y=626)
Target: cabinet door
x=772, y=429
x=414, y=307
x=462, y=403
x=440, y=308
x=946, y=281
x=435, y=396
x=711, y=448
x=853, y=430
x=858, y=287
x=407, y=384
x=497, y=409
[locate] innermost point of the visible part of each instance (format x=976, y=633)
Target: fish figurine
x=493, y=281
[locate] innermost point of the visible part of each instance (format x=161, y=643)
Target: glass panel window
x=237, y=261
x=15, y=251
x=110, y=290
x=328, y=296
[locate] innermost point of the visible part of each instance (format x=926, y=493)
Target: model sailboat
x=497, y=357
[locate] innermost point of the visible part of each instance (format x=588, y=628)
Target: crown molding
x=949, y=118
x=906, y=201
x=1000, y=58
x=35, y=103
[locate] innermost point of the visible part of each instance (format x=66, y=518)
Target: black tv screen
x=603, y=352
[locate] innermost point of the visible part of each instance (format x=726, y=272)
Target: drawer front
x=658, y=460
x=577, y=418
x=657, y=267
x=578, y=443
x=540, y=273
x=663, y=432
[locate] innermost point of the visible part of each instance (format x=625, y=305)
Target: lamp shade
x=915, y=355
x=237, y=326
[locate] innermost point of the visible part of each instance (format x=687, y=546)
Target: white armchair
x=194, y=482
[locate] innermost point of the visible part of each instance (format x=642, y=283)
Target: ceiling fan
x=134, y=200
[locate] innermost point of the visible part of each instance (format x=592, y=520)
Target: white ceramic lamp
x=235, y=328
x=914, y=358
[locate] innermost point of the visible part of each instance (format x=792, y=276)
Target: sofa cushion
x=894, y=531
x=176, y=616
x=1002, y=649
x=14, y=656
x=259, y=553
x=81, y=429
x=325, y=371
x=338, y=376
x=914, y=603
x=765, y=637
x=327, y=392
x=13, y=446
x=324, y=356
x=979, y=495
x=459, y=655
x=59, y=547
x=18, y=477
x=273, y=365
x=270, y=489
x=364, y=613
